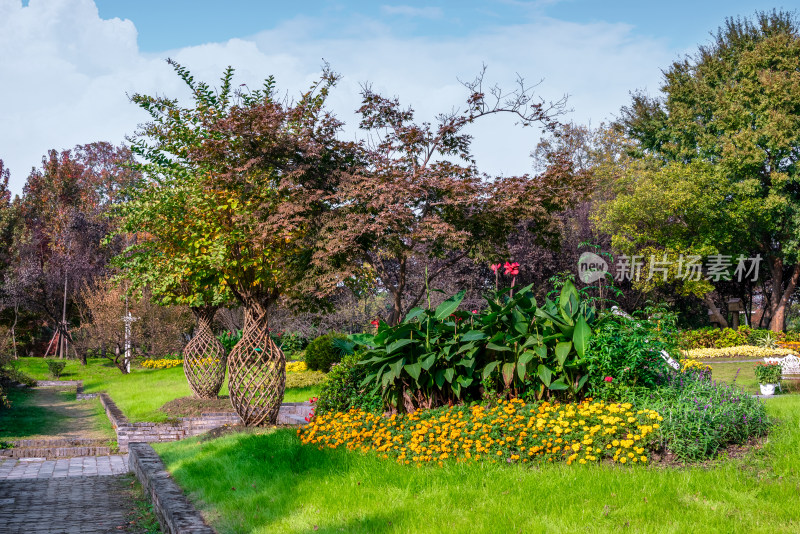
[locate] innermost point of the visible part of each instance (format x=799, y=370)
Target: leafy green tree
x=237, y=185
x=726, y=128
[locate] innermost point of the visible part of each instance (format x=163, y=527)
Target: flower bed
x=296, y=367
x=702, y=417
x=162, y=363
x=693, y=366
x=743, y=351
x=511, y=431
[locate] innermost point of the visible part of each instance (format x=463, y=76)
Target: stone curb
x=174, y=511
x=290, y=413
x=79, y=394
x=54, y=452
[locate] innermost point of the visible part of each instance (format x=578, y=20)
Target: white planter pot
x=768, y=389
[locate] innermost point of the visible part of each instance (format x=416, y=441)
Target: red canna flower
x=474, y=311
x=495, y=266
x=608, y=379
x=375, y=323
x=511, y=268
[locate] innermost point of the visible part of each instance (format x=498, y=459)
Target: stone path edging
x=291, y=413
x=81, y=466
x=79, y=394
x=174, y=511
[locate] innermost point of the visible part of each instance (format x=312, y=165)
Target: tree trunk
x=204, y=359
x=716, y=316
x=781, y=295
x=13, y=330
x=397, y=293
x=120, y=363
x=256, y=370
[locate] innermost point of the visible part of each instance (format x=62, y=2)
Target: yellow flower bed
x=743, y=351
x=510, y=432
x=296, y=367
x=688, y=365
x=164, y=363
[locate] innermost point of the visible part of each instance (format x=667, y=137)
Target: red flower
x=511, y=268
x=312, y=400
x=496, y=266
x=375, y=323
x=474, y=311
x=608, y=379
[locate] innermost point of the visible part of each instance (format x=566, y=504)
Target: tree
x=726, y=127
x=9, y=219
x=257, y=173
x=420, y=197
x=157, y=331
x=159, y=263
x=57, y=245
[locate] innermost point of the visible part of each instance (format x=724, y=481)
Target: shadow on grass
x=268, y=482
x=27, y=418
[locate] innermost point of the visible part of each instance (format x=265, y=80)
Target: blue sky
x=70, y=65
x=165, y=25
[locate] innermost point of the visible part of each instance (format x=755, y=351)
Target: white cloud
x=66, y=73
x=428, y=12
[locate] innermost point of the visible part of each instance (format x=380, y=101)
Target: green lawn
x=743, y=375
x=269, y=482
x=740, y=373
x=50, y=413
x=139, y=394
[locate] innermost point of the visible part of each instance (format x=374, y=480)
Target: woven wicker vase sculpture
x=204, y=356
x=256, y=373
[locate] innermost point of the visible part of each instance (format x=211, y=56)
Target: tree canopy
x=726, y=128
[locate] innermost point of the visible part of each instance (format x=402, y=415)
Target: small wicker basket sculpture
x=257, y=373
x=204, y=356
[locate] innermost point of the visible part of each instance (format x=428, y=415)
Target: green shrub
x=701, y=416
x=56, y=367
x=515, y=347
x=229, y=339
x=323, y=352
x=342, y=390
x=291, y=343
x=768, y=373
x=721, y=338
x=304, y=379
x=628, y=351
x=14, y=375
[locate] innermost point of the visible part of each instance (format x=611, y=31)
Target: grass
x=52, y=413
x=139, y=394
x=269, y=482
x=743, y=375
x=142, y=519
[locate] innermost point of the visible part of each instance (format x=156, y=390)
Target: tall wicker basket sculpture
x=204, y=358
x=257, y=373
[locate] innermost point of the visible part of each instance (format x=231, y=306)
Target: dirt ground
x=189, y=406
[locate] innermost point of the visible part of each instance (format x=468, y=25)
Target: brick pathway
x=27, y=468
x=71, y=495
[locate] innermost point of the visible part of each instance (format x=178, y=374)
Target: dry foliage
x=158, y=330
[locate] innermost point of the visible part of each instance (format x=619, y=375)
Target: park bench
x=790, y=366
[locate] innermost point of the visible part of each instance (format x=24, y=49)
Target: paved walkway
x=38, y=468
x=84, y=495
